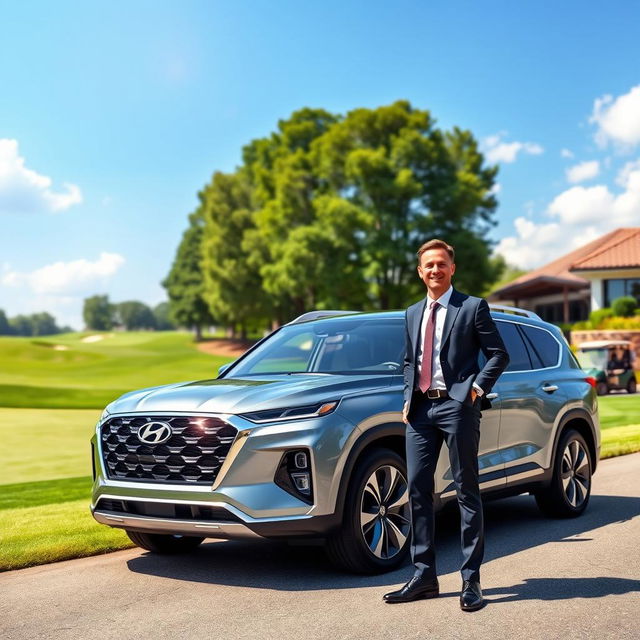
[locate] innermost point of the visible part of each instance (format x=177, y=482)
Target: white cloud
x=496, y=189
x=23, y=190
x=583, y=171
x=625, y=175
x=618, y=119
x=498, y=151
x=574, y=218
x=65, y=278
x=565, y=153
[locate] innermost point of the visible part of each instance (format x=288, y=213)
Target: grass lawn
x=81, y=371
x=45, y=480
x=617, y=410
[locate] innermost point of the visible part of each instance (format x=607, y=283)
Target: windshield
x=593, y=358
x=342, y=345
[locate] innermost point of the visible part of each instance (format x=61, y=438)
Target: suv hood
x=239, y=395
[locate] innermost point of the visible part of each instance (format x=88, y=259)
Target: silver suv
x=302, y=437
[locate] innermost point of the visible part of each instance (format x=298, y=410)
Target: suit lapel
x=452, y=313
x=416, y=326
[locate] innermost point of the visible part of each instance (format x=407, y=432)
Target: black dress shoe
x=415, y=589
x=471, y=597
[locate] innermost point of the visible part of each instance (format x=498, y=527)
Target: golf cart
x=610, y=362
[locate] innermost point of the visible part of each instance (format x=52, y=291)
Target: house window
x=554, y=312
x=619, y=287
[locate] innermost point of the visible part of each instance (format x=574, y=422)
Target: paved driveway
x=543, y=579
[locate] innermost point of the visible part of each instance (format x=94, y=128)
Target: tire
x=568, y=494
x=164, y=544
x=631, y=385
x=375, y=532
x=602, y=389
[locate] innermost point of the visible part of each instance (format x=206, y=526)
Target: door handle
x=550, y=388
x=492, y=396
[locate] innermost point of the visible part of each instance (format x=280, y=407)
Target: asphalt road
x=542, y=578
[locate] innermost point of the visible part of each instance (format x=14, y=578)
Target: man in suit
x=443, y=394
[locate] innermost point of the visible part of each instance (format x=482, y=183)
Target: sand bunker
x=60, y=347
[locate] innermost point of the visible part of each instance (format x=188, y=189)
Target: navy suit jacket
x=468, y=329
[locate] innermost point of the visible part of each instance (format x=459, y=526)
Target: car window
x=339, y=345
x=543, y=347
x=518, y=355
x=293, y=355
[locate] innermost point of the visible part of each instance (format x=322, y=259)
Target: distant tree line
x=99, y=314
x=328, y=212
x=36, y=324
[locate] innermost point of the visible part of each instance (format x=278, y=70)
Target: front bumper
x=244, y=500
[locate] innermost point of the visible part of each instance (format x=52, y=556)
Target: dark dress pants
x=431, y=422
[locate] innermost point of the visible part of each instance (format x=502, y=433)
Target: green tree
x=134, y=315
x=184, y=283
x=305, y=242
x=415, y=182
x=98, y=313
x=43, y=324
x=21, y=325
x=161, y=313
x=5, y=328
x=233, y=287
x=503, y=273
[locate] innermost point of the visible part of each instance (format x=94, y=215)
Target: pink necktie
x=427, y=349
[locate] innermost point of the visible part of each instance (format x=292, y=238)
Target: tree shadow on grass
x=511, y=525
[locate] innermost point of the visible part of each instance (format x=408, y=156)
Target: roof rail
x=322, y=313
x=514, y=311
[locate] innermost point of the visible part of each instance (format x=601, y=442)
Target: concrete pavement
x=542, y=578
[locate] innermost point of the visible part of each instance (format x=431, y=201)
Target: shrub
x=624, y=307
x=623, y=324
x=597, y=317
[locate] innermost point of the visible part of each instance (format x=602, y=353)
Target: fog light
x=294, y=474
x=302, y=482
x=301, y=460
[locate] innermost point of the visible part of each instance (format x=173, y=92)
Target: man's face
x=436, y=269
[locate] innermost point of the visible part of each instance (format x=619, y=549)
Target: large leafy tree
x=233, y=287
x=184, y=283
x=415, y=182
x=305, y=242
x=328, y=212
x=161, y=313
x=133, y=315
x=98, y=313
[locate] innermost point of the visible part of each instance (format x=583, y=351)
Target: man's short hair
x=437, y=244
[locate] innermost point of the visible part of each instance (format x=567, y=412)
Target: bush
x=622, y=324
x=624, y=307
x=597, y=318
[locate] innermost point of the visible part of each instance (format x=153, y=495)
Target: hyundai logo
x=154, y=432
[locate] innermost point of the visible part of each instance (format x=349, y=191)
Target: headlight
x=105, y=414
x=291, y=413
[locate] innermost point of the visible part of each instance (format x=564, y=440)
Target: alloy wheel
x=384, y=512
x=575, y=473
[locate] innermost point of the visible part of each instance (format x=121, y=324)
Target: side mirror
x=223, y=368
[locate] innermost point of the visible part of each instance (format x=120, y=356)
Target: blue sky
x=114, y=115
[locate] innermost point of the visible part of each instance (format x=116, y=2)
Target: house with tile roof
x=591, y=277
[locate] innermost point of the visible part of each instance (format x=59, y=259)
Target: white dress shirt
x=437, y=377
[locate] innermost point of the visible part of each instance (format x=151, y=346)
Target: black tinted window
x=543, y=347
x=518, y=356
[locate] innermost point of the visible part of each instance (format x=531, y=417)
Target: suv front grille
x=193, y=454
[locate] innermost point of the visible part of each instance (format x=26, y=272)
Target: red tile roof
x=619, y=248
